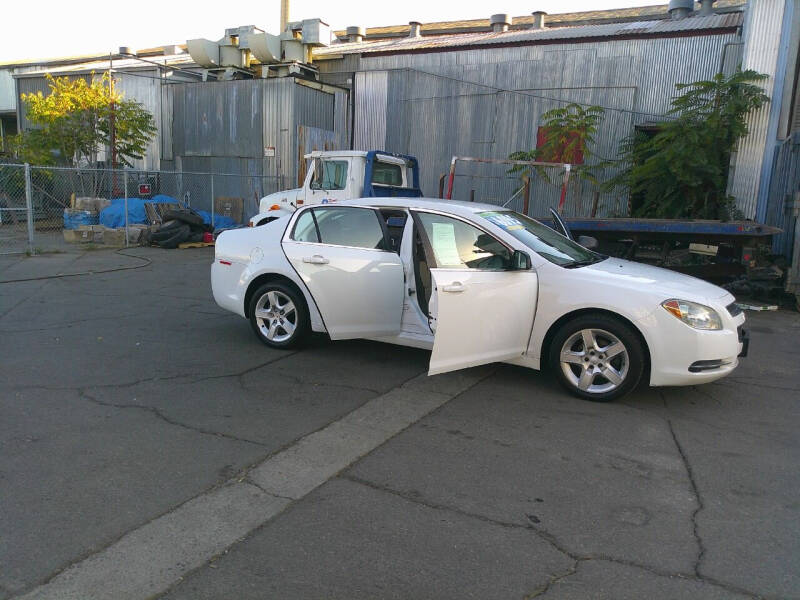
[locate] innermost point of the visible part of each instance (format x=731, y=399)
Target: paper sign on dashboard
x=444, y=244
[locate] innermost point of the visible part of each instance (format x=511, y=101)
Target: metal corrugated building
x=250, y=126
x=482, y=94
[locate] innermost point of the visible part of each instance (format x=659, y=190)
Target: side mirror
x=588, y=241
x=520, y=261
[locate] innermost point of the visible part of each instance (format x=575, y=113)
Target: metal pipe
x=414, y=29
x=284, y=14
x=538, y=19
x=563, y=199
x=29, y=206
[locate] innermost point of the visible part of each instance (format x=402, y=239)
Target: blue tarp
x=74, y=217
x=114, y=215
x=220, y=222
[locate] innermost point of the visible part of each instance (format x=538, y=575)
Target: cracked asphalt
x=125, y=394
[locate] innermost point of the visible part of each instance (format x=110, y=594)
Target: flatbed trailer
x=633, y=233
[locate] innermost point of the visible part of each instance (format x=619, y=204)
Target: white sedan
x=476, y=284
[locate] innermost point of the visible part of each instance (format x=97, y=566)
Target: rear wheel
x=597, y=357
x=279, y=316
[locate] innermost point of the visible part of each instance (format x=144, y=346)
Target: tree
x=74, y=122
x=682, y=170
x=568, y=138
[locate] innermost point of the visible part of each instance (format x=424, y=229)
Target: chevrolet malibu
x=476, y=284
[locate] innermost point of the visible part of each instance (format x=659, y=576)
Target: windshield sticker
x=505, y=220
x=444, y=244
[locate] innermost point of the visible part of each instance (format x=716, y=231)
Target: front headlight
x=694, y=315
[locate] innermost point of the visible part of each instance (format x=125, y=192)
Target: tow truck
x=340, y=175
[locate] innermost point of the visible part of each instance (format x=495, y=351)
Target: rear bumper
x=228, y=285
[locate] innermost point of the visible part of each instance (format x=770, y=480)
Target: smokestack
x=538, y=19
x=414, y=29
x=678, y=9
x=355, y=34
x=284, y=14
x=499, y=22
x=707, y=7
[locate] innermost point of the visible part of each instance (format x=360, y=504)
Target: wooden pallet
x=195, y=244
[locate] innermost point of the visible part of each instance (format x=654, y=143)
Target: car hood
x=660, y=281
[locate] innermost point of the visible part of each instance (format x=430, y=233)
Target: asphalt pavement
x=150, y=446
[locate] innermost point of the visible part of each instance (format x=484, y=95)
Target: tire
x=273, y=327
x=179, y=235
x=595, y=375
x=186, y=217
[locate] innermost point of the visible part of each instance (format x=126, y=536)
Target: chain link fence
x=41, y=206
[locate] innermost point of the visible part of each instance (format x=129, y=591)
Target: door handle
x=455, y=287
x=316, y=260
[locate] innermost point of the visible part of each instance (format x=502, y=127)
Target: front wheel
x=597, y=357
x=279, y=316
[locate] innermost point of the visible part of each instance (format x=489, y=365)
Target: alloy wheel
x=594, y=361
x=276, y=316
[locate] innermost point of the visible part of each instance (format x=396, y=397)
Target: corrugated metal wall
x=488, y=102
x=249, y=127
x=763, y=25
x=785, y=182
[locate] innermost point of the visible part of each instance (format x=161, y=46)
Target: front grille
x=733, y=309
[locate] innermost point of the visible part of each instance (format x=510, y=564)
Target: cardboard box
x=229, y=207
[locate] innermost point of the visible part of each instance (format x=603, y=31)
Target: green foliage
x=30, y=147
x=570, y=131
x=74, y=123
x=682, y=170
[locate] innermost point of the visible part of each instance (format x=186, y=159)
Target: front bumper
x=681, y=355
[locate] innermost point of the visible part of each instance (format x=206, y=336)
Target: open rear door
x=481, y=316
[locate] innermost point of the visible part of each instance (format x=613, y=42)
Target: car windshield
x=546, y=242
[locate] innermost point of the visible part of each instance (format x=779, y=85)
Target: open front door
x=481, y=317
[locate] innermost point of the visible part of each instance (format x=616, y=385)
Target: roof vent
x=414, y=29
x=678, y=9
x=355, y=34
x=538, y=19
x=707, y=7
x=499, y=22
x=127, y=51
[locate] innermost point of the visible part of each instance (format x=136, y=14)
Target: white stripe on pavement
x=147, y=560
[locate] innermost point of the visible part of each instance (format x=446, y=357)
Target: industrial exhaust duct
x=499, y=22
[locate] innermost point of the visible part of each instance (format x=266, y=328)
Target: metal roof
x=118, y=64
x=593, y=17
x=696, y=24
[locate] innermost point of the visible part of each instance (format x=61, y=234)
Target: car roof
x=454, y=206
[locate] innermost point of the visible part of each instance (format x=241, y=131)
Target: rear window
x=387, y=174
x=355, y=227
